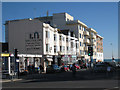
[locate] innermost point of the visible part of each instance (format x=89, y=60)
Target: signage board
x=4, y=55
x=33, y=42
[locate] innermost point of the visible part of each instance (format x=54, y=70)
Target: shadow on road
x=67, y=76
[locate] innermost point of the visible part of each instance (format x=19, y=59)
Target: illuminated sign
x=4, y=55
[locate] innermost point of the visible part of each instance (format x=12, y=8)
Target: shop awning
x=50, y=59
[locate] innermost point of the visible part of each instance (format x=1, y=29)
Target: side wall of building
x=25, y=35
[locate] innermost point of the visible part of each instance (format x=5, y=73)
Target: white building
x=39, y=43
x=99, y=48
x=86, y=36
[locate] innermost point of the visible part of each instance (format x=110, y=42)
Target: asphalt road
x=83, y=79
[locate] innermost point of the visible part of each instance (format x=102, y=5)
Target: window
x=55, y=49
x=55, y=37
x=80, y=52
x=47, y=47
x=83, y=28
x=47, y=34
x=80, y=27
x=66, y=39
x=97, y=49
x=60, y=48
x=80, y=35
x=71, y=44
x=63, y=48
x=84, y=37
x=68, y=19
x=67, y=48
x=63, y=38
x=95, y=53
x=60, y=38
x=80, y=43
x=77, y=45
x=94, y=40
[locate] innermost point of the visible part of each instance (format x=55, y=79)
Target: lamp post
x=112, y=51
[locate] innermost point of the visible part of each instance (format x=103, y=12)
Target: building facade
x=99, y=48
x=39, y=43
x=85, y=35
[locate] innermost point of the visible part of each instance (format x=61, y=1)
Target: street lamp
x=112, y=51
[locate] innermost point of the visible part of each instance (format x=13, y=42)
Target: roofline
x=100, y=36
x=92, y=30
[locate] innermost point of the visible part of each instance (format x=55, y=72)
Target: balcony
x=93, y=36
x=86, y=33
x=86, y=41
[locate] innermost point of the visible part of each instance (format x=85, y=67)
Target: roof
x=92, y=30
x=99, y=36
x=76, y=22
x=17, y=20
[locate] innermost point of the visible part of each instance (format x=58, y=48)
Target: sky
x=101, y=16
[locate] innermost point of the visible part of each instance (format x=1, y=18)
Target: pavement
x=82, y=74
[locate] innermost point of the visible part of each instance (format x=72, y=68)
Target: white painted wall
x=100, y=56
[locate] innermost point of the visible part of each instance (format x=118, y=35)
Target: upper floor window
x=60, y=48
x=55, y=37
x=47, y=47
x=63, y=48
x=55, y=49
x=47, y=34
x=77, y=45
x=80, y=52
x=60, y=38
x=80, y=27
x=63, y=38
x=67, y=48
x=80, y=43
x=72, y=45
x=80, y=35
x=83, y=28
x=66, y=39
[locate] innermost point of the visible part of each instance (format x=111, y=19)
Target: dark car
x=100, y=68
x=53, y=69
x=103, y=67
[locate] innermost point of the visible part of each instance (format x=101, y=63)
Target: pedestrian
x=108, y=70
x=87, y=65
x=74, y=70
x=33, y=69
x=41, y=68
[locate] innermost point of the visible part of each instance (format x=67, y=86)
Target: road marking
x=116, y=87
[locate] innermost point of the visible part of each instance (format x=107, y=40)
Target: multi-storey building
x=86, y=36
x=99, y=43
x=39, y=43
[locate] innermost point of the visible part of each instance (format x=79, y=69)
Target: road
x=83, y=79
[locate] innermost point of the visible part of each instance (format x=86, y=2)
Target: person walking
x=41, y=68
x=74, y=70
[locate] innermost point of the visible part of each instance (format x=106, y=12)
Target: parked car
x=65, y=68
x=83, y=66
x=53, y=68
x=103, y=67
x=77, y=66
x=100, y=68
